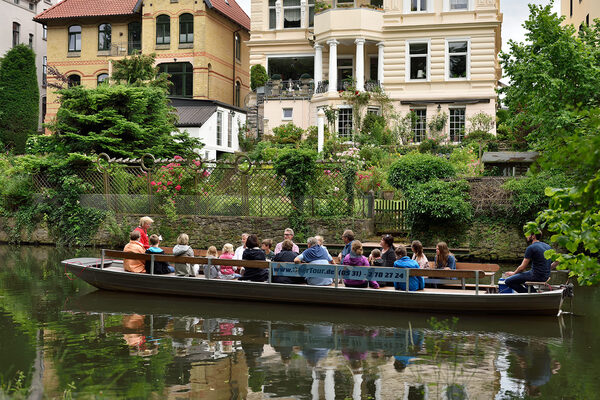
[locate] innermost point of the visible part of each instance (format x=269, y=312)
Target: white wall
x=208, y=133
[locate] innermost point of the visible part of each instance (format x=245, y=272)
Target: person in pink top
x=356, y=258
x=288, y=234
x=227, y=271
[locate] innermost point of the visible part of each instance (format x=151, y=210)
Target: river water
x=61, y=338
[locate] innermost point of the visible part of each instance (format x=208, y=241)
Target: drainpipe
x=233, y=86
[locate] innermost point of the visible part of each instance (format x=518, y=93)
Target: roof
x=232, y=10
x=194, y=112
x=89, y=8
x=491, y=157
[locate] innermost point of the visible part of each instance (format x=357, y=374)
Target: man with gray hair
x=288, y=233
x=315, y=254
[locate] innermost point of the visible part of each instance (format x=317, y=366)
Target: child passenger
x=418, y=255
x=160, y=267
x=356, y=258
x=226, y=271
x=182, y=249
x=214, y=272
x=375, y=258
x=266, y=247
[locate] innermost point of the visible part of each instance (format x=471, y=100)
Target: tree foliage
x=120, y=120
x=19, y=97
x=298, y=168
x=139, y=70
x=551, y=74
x=258, y=76
x=416, y=168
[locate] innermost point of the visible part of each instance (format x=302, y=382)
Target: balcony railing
x=303, y=88
x=370, y=86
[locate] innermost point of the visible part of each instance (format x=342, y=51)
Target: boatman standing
x=540, y=266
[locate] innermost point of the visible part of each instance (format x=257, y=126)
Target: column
x=360, y=64
x=380, y=47
x=278, y=16
x=318, y=65
x=320, y=130
x=332, y=65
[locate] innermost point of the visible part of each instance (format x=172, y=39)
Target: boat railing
x=332, y=271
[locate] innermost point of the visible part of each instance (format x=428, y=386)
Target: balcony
x=370, y=86
x=289, y=89
x=349, y=22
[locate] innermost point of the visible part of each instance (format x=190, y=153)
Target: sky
x=515, y=13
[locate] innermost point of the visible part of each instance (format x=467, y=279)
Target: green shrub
x=258, y=76
x=298, y=168
x=373, y=155
x=438, y=202
x=418, y=168
x=265, y=151
x=287, y=134
x=528, y=196
x=16, y=192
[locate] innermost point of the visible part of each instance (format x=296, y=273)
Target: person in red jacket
x=145, y=223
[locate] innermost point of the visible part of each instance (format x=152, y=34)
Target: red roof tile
x=231, y=10
x=89, y=8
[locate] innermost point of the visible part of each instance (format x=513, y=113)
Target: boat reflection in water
x=232, y=350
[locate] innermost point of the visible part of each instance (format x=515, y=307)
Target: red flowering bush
x=370, y=179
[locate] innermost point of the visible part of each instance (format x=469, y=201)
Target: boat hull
x=546, y=303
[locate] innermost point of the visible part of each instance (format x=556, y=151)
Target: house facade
x=579, y=12
x=428, y=56
x=200, y=44
x=18, y=27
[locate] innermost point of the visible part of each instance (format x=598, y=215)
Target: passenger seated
x=134, y=246
x=160, y=267
x=182, y=249
x=403, y=261
x=286, y=255
x=214, y=270
x=443, y=258
x=227, y=271
x=266, y=247
x=418, y=255
x=356, y=258
x=253, y=252
x=375, y=258
x=315, y=254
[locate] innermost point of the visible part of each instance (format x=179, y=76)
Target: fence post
x=244, y=183
x=105, y=180
x=149, y=193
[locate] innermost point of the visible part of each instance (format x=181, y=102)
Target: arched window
x=238, y=93
x=181, y=75
x=16, y=33
x=135, y=37
x=163, y=29
x=104, y=36
x=186, y=28
x=238, y=47
x=103, y=77
x=74, y=80
x=75, y=38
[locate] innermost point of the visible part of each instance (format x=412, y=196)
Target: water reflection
x=103, y=344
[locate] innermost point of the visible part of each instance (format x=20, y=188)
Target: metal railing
x=302, y=89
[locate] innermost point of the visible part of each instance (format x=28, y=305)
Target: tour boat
x=108, y=274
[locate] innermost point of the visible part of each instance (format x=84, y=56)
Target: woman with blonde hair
x=418, y=255
x=443, y=258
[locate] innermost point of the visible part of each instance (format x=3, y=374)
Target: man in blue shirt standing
x=540, y=266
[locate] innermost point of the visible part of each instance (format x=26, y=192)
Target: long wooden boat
x=110, y=275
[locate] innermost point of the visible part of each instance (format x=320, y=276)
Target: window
x=75, y=38
x=272, y=15
x=181, y=75
x=44, y=70
x=587, y=20
x=186, y=28
x=229, y=129
x=311, y=13
x=44, y=108
x=457, y=124
x=419, y=124
x=238, y=47
x=458, y=59
x=16, y=1
x=459, y=5
x=374, y=110
x=219, y=128
x=345, y=123
x=31, y=6
x=418, y=54
x=291, y=67
x=287, y=113
x=344, y=3
x=31, y=40
x=418, y=5
x=291, y=13
x=102, y=78
x=373, y=68
x=74, y=80
x=104, y=37
x=163, y=29
x=16, y=33
x=44, y=32
x=571, y=8
x=134, y=41
x=238, y=94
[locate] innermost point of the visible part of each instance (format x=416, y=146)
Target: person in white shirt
x=240, y=250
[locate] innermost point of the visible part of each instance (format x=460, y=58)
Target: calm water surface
x=64, y=339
